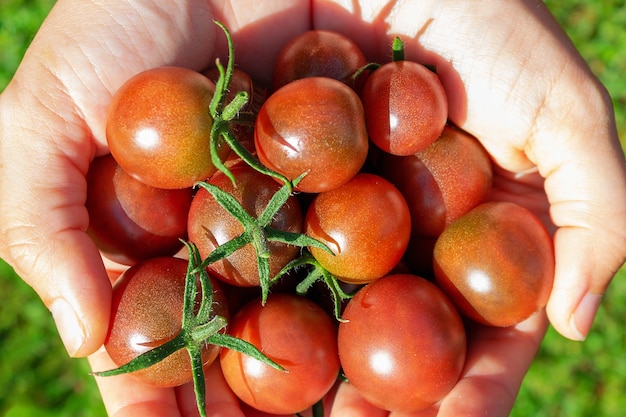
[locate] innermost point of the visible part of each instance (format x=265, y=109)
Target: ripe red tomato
x=496, y=263
x=365, y=222
x=158, y=127
x=405, y=107
x=316, y=126
x=403, y=343
x=318, y=53
x=298, y=335
x=129, y=220
x=210, y=225
x=147, y=311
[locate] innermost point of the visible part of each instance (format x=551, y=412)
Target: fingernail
x=585, y=313
x=68, y=325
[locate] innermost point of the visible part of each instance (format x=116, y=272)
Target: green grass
x=567, y=378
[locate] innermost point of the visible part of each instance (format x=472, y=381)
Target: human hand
x=515, y=82
x=532, y=125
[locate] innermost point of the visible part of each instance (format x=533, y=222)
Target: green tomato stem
x=397, y=49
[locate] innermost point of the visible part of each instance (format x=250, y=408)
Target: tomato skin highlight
x=146, y=312
x=405, y=106
x=496, y=263
x=367, y=225
x=403, y=344
x=210, y=225
x=158, y=127
x=298, y=335
x=314, y=125
x=130, y=221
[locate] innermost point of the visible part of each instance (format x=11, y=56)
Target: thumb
x=43, y=220
x=587, y=190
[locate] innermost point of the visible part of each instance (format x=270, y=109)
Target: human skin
x=517, y=84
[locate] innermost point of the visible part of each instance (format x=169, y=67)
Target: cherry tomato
x=318, y=53
x=129, y=220
x=316, y=126
x=405, y=107
x=496, y=263
x=147, y=311
x=403, y=343
x=298, y=335
x=158, y=127
x=210, y=225
x=441, y=182
x=365, y=222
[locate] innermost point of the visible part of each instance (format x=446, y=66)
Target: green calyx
x=223, y=115
x=257, y=232
x=317, y=273
x=198, y=328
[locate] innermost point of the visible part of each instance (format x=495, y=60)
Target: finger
x=123, y=396
x=42, y=228
x=348, y=402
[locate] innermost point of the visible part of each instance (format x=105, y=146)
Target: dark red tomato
x=318, y=53
x=147, y=311
x=405, y=107
x=365, y=222
x=298, y=335
x=496, y=263
x=129, y=220
x=403, y=344
x=158, y=127
x=210, y=225
x=313, y=125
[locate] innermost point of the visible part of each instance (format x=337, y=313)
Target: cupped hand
x=512, y=78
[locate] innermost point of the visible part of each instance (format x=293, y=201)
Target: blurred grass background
x=567, y=378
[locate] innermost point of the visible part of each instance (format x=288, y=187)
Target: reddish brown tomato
x=210, y=225
x=298, y=335
x=315, y=126
x=441, y=182
x=403, y=343
x=405, y=107
x=365, y=222
x=496, y=263
x=147, y=311
x=318, y=53
x=158, y=127
x=129, y=220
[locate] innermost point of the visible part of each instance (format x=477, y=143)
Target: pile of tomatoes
x=332, y=225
